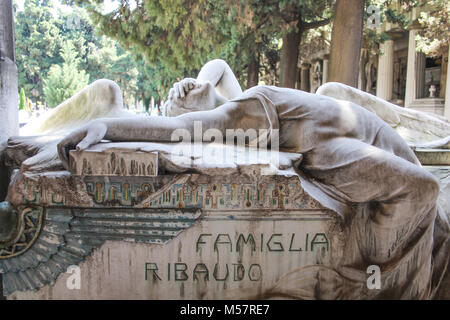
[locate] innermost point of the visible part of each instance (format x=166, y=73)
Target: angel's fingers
x=43, y=158
x=72, y=139
x=63, y=157
x=68, y=143
x=176, y=90
x=95, y=134
x=63, y=152
x=171, y=93
x=180, y=90
x=188, y=85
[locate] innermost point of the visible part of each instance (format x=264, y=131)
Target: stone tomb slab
x=185, y=235
x=114, y=162
x=221, y=257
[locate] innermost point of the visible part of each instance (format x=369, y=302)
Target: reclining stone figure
x=350, y=152
x=350, y=156
x=103, y=99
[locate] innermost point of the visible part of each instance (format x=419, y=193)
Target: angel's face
x=201, y=98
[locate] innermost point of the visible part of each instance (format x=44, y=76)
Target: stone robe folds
x=357, y=165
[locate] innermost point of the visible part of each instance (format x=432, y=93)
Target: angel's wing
x=100, y=99
x=418, y=128
x=52, y=239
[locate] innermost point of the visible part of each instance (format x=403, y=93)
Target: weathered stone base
x=221, y=257
x=433, y=157
x=227, y=233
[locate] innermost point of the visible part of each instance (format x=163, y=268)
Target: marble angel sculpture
x=350, y=155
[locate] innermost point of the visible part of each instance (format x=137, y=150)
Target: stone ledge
x=114, y=162
x=152, y=159
x=439, y=157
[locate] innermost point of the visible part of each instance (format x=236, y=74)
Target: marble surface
x=229, y=232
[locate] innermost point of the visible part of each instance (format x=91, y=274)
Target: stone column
x=9, y=122
x=304, y=77
x=326, y=61
x=420, y=75
x=298, y=78
x=447, y=90
x=362, y=81
x=444, y=70
x=311, y=78
x=385, y=76
x=415, y=70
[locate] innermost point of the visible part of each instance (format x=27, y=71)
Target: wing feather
x=68, y=236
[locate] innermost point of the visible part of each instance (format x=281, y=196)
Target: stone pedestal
x=433, y=157
x=385, y=77
x=234, y=233
x=221, y=230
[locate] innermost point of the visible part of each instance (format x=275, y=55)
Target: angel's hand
x=180, y=89
x=81, y=139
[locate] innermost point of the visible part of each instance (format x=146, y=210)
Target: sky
x=110, y=5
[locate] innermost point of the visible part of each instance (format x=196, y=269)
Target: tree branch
x=315, y=24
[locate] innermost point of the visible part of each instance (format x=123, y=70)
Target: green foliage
x=395, y=12
x=177, y=37
x=153, y=81
x=107, y=60
x=166, y=40
x=257, y=27
x=100, y=57
x=38, y=42
x=22, y=100
x=434, y=20
x=433, y=39
x=40, y=35
x=64, y=81
x=394, y=16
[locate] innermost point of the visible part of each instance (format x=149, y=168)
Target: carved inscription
x=237, y=247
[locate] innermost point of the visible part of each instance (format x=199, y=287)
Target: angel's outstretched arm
x=154, y=129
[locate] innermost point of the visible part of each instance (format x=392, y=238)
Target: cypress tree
x=22, y=99
x=64, y=81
